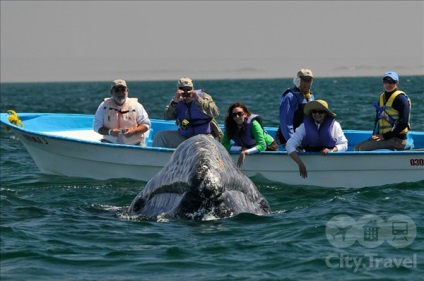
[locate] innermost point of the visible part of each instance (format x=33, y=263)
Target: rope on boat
x=14, y=119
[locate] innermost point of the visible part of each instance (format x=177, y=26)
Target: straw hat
x=317, y=105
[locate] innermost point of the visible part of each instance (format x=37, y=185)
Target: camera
x=186, y=94
x=184, y=124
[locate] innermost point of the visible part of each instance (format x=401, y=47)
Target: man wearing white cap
x=121, y=119
x=391, y=123
x=292, y=102
x=194, y=112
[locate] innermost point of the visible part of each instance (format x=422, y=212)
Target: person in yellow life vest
x=121, y=119
x=392, y=118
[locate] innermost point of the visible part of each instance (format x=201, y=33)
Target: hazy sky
x=156, y=40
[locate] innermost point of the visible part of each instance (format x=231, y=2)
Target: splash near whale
x=199, y=182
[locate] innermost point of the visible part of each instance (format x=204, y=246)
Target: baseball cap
x=118, y=82
x=391, y=74
x=185, y=82
x=304, y=72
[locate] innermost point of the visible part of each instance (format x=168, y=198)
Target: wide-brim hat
x=321, y=105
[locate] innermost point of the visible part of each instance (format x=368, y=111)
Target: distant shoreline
x=76, y=80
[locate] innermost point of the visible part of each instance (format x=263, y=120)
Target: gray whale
x=200, y=181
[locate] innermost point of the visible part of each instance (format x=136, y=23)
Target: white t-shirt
x=142, y=117
x=299, y=134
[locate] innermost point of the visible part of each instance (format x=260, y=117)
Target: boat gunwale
x=418, y=151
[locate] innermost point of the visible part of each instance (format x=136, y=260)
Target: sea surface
x=60, y=228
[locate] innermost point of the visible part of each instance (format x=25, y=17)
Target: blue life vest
x=191, y=120
x=298, y=114
x=246, y=139
x=301, y=101
x=317, y=139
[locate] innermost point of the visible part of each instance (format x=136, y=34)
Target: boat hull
x=76, y=151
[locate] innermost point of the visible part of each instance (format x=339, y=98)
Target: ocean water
x=60, y=228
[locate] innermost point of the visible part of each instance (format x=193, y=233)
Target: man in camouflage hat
x=194, y=112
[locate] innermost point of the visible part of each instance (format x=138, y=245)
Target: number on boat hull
x=417, y=162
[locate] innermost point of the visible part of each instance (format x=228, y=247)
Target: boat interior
x=80, y=126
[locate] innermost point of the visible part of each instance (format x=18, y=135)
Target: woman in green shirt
x=247, y=132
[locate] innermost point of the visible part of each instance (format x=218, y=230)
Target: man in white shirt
x=121, y=119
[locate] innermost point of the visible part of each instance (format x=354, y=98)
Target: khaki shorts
x=371, y=144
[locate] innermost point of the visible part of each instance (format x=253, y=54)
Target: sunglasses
x=318, y=111
x=391, y=82
x=186, y=88
x=306, y=79
x=237, y=114
x=119, y=89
